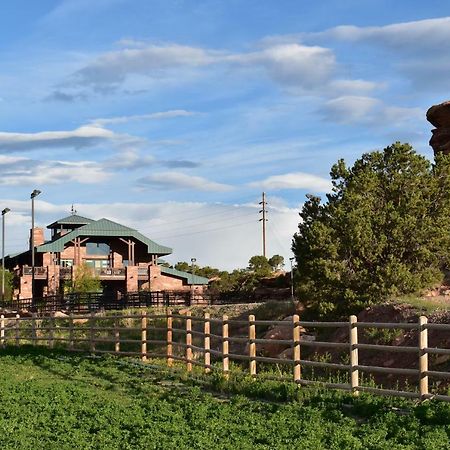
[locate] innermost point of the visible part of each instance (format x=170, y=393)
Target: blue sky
x=173, y=116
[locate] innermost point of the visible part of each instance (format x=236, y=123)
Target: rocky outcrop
x=439, y=116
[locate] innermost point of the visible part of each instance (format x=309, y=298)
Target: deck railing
x=215, y=343
x=86, y=302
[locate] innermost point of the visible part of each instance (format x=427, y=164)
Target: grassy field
x=55, y=400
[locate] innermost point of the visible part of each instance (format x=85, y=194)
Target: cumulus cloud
x=294, y=180
x=84, y=136
x=178, y=180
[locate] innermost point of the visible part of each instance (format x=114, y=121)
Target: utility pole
x=263, y=220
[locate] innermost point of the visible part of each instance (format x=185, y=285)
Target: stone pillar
x=38, y=236
x=25, y=286
x=154, y=277
x=53, y=280
x=132, y=278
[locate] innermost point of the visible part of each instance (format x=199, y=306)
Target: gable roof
x=107, y=228
x=73, y=219
x=189, y=277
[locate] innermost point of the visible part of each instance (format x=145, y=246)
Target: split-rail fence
x=207, y=342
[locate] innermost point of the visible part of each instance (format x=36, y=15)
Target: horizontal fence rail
x=218, y=344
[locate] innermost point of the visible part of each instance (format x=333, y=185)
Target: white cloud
x=294, y=180
x=112, y=68
x=432, y=34
x=419, y=48
x=369, y=111
x=353, y=86
x=178, y=180
x=26, y=171
x=84, y=136
x=350, y=109
x=291, y=65
x=152, y=116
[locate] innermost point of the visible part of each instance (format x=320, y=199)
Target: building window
x=97, y=248
x=97, y=263
x=66, y=263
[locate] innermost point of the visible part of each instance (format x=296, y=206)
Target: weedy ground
x=50, y=399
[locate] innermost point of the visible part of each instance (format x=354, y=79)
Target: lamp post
x=6, y=210
x=292, y=278
x=33, y=195
x=193, y=260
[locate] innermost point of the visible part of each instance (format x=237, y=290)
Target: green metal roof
x=103, y=228
x=189, y=277
x=73, y=219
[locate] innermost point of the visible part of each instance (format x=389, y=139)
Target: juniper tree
x=383, y=230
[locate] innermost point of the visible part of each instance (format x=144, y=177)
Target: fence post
x=144, y=335
x=423, y=357
x=2, y=330
x=169, y=338
x=207, y=343
x=354, y=373
x=252, y=343
x=296, y=349
x=91, y=332
x=188, y=341
x=116, y=335
x=225, y=346
x=70, y=331
x=17, y=329
x=33, y=329
x=51, y=322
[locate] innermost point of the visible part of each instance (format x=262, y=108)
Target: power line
x=206, y=231
x=207, y=223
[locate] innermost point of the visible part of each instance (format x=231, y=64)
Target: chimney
x=38, y=234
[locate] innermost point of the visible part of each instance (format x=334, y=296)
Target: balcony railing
x=110, y=272
x=143, y=271
x=39, y=272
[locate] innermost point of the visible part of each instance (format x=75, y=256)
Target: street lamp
x=193, y=260
x=6, y=210
x=291, y=259
x=34, y=194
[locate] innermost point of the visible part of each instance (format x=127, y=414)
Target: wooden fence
x=207, y=342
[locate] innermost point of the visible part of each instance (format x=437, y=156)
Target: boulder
x=439, y=115
x=440, y=140
x=281, y=332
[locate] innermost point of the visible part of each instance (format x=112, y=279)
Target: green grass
x=55, y=400
x=426, y=304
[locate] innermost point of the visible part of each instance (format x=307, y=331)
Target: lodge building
x=123, y=259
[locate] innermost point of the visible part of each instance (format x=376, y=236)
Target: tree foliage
x=384, y=230
x=238, y=280
x=84, y=280
x=8, y=283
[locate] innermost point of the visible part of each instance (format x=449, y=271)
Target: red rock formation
x=439, y=116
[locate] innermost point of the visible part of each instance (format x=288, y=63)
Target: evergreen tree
x=384, y=230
